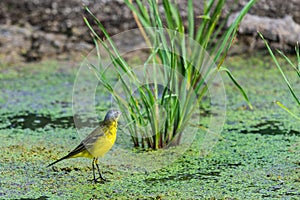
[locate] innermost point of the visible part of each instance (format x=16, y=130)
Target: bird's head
x=112, y=115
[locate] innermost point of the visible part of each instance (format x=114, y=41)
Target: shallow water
x=255, y=157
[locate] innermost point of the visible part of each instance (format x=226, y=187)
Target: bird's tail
x=65, y=157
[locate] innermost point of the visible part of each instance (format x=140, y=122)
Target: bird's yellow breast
x=105, y=142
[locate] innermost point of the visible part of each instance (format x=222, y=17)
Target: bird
x=97, y=143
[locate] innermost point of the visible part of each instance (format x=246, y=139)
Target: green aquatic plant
x=156, y=114
x=295, y=67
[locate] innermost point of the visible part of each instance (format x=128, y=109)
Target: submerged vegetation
x=256, y=157
x=178, y=72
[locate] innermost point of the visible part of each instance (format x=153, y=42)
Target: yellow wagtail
x=98, y=142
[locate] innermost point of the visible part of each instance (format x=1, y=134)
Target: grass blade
x=287, y=110
x=280, y=70
x=237, y=85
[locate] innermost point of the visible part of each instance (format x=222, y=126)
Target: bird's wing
x=88, y=142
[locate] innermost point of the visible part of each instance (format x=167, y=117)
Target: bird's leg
x=100, y=176
x=93, y=165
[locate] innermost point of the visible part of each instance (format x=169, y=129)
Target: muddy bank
x=33, y=30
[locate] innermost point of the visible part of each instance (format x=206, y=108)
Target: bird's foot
x=101, y=179
x=97, y=180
